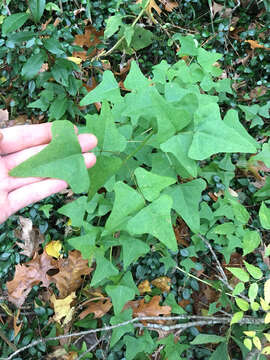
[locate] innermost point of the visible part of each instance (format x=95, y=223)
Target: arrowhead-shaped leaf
x=151, y=184
x=58, y=160
x=155, y=219
x=104, y=269
x=186, y=198
x=120, y=295
x=132, y=249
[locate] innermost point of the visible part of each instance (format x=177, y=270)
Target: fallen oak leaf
x=71, y=270
x=29, y=274
x=99, y=308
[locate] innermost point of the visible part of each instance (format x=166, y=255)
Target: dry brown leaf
x=169, y=5
x=29, y=274
x=181, y=232
x=216, y=8
x=257, y=92
x=152, y=308
x=255, y=45
x=163, y=283
x=90, y=38
x=144, y=287
x=71, y=270
x=151, y=5
x=30, y=237
x=99, y=309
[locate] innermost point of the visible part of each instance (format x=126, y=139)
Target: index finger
x=24, y=136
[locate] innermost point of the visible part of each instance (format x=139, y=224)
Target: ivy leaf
x=142, y=344
x=13, y=22
x=264, y=215
x=206, y=59
x=188, y=45
x=112, y=25
x=104, y=268
x=117, y=333
x=103, y=170
x=176, y=309
x=155, y=219
x=240, y=212
x=151, y=184
x=86, y=243
x=135, y=79
x=127, y=202
x=109, y=138
x=58, y=160
x=120, y=295
x=179, y=146
x=132, y=249
x=205, y=140
x=108, y=90
x=186, y=198
x=172, y=350
x=141, y=38
x=75, y=210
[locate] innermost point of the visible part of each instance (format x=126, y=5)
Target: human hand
x=17, y=144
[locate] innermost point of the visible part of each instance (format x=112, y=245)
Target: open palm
x=17, y=144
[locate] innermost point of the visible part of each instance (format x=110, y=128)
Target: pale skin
x=17, y=144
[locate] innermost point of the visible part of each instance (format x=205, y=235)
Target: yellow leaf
x=53, y=248
x=250, y=333
x=62, y=308
x=266, y=350
x=74, y=59
x=264, y=304
x=248, y=343
x=257, y=342
x=267, y=291
x=267, y=335
x=267, y=318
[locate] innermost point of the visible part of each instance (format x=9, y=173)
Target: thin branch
x=91, y=348
x=203, y=320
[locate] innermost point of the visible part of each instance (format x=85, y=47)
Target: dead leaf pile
x=90, y=39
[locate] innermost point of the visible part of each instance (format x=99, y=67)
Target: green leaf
x=225, y=228
x=221, y=352
x=264, y=215
x=188, y=45
x=179, y=146
x=251, y=240
x=117, y=333
x=13, y=22
x=37, y=8
x=253, y=292
x=241, y=274
x=264, y=192
x=104, y=269
x=135, y=79
x=237, y=317
x=33, y=65
x=132, y=249
x=151, y=184
x=58, y=107
x=155, y=219
x=242, y=304
x=53, y=46
x=103, y=170
x=176, y=309
x=206, y=59
x=129, y=32
x=113, y=24
x=52, y=7
x=123, y=209
x=172, y=350
x=142, y=344
x=141, y=38
x=58, y=160
x=238, y=288
x=108, y=90
x=186, y=198
x=240, y=212
x=120, y=295
x=109, y=138
x=75, y=210
x=206, y=141
x=206, y=339
x=254, y=271
x=86, y=243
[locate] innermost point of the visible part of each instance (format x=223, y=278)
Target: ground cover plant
x=161, y=250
